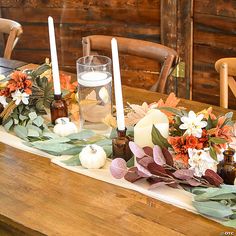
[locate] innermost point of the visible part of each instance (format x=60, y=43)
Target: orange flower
x=177, y=143
x=18, y=76
x=226, y=132
x=183, y=158
x=191, y=142
x=27, y=83
x=66, y=83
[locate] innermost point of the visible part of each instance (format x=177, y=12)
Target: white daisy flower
x=193, y=124
x=200, y=161
x=3, y=101
x=18, y=97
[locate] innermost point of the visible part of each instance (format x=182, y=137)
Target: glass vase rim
x=101, y=56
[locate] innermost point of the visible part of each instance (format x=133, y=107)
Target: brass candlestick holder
x=227, y=168
x=120, y=146
x=58, y=108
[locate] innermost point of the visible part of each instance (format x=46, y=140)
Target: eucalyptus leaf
x=84, y=134
x=16, y=121
x=33, y=133
x=215, y=192
x=230, y=223
x=108, y=150
x=38, y=121
x=104, y=142
x=52, y=141
x=130, y=131
x=56, y=148
x=73, y=150
x=8, y=125
x=213, y=208
x=33, y=127
x=22, y=117
x=41, y=69
x=32, y=115
x=113, y=134
x=73, y=161
x=21, y=131
x=49, y=134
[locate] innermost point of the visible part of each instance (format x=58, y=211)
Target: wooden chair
x=167, y=57
x=14, y=30
x=227, y=69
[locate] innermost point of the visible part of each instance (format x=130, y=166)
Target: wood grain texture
x=40, y=198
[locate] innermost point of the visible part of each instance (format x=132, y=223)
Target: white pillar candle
x=117, y=86
x=143, y=129
x=94, y=78
x=55, y=69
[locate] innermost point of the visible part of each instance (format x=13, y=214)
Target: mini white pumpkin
x=64, y=127
x=92, y=157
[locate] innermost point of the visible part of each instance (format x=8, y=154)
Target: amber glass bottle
x=120, y=146
x=227, y=168
x=58, y=108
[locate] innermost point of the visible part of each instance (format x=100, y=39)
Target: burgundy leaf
x=153, y=180
x=156, y=169
x=148, y=151
x=132, y=175
x=136, y=150
x=168, y=156
x=174, y=185
x=193, y=182
x=158, y=155
x=169, y=172
x=184, y=174
x=118, y=168
x=143, y=171
x=213, y=178
x=145, y=161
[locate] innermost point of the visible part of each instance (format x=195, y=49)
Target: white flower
x=193, y=124
x=200, y=161
x=3, y=101
x=18, y=96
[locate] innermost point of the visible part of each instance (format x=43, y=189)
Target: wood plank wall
x=77, y=18
x=214, y=37
x=214, y=29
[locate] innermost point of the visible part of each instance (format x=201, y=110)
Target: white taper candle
x=55, y=69
x=117, y=86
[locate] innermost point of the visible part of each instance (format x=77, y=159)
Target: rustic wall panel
x=214, y=38
x=75, y=19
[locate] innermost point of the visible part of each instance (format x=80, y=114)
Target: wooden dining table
x=41, y=198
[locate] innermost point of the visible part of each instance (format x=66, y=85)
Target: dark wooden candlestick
x=58, y=108
x=227, y=168
x=120, y=146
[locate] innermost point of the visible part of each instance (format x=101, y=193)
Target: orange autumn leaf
x=171, y=101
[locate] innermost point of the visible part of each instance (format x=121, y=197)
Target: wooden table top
x=40, y=198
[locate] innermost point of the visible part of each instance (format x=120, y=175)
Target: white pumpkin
x=92, y=157
x=64, y=127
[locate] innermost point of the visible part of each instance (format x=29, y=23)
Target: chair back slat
x=226, y=67
x=140, y=48
x=14, y=30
